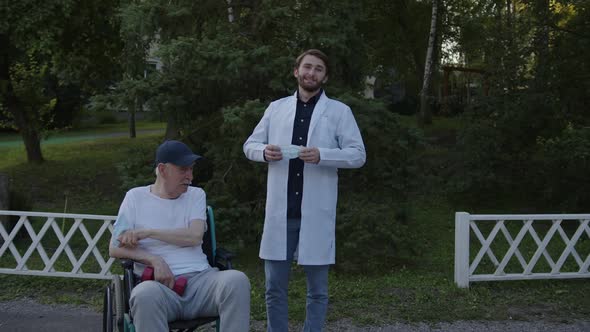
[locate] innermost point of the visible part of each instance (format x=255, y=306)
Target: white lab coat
x=333, y=130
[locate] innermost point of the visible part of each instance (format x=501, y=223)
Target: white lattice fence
x=521, y=247
x=57, y=244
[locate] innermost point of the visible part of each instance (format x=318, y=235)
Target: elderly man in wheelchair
x=161, y=228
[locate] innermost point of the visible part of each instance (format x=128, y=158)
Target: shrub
x=565, y=161
x=373, y=221
x=106, y=118
x=17, y=202
x=138, y=169
x=238, y=186
x=372, y=233
x=391, y=149
x=495, y=151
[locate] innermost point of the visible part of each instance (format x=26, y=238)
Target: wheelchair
x=116, y=314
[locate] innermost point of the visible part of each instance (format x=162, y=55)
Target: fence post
x=4, y=194
x=4, y=204
x=462, y=249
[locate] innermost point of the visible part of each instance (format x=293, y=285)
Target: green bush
x=138, y=168
x=391, y=148
x=372, y=233
x=565, y=161
x=237, y=187
x=17, y=202
x=373, y=210
x=497, y=147
x=375, y=200
x=106, y=118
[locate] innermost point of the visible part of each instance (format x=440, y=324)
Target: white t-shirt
x=142, y=209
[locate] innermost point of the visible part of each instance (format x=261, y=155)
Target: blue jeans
x=277, y=283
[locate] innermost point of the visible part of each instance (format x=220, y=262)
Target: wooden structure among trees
x=461, y=90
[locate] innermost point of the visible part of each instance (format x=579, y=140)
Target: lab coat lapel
x=287, y=123
x=316, y=116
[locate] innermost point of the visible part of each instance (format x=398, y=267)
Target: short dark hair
x=317, y=53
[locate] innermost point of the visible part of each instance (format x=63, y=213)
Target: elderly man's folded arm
x=182, y=237
x=135, y=254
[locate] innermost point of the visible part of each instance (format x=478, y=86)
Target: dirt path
x=26, y=315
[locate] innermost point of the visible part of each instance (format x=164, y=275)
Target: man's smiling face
x=311, y=73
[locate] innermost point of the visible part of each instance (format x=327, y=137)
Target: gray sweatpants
x=208, y=293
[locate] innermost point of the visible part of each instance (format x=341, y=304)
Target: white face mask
x=290, y=151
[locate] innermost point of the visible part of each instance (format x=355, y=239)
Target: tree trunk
x=543, y=12
x=132, y=131
x=425, y=114
x=4, y=201
x=25, y=126
x=131, y=119
x=172, y=130
x=509, y=49
x=32, y=142
x=230, y=12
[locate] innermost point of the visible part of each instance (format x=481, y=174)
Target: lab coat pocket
x=327, y=133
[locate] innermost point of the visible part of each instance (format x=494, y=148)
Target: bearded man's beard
x=313, y=87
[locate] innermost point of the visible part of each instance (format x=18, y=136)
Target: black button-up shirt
x=300, y=130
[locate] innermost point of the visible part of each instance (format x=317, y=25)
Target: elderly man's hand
x=130, y=238
x=272, y=153
x=162, y=272
x=310, y=155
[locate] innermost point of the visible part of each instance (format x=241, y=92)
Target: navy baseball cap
x=175, y=152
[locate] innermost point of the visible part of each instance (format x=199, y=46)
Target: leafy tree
x=45, y=40
x=29, y=87
x=529, y=49
x=396, y=34
x=569, y=66
x=210, y=62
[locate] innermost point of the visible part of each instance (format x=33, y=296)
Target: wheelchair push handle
x=179, y=283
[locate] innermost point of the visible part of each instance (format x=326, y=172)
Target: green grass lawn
x=84, y=134
x=84, y=175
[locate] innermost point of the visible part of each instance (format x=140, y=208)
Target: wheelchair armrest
x=223, y=259
x=127, y=264
x=224, y=254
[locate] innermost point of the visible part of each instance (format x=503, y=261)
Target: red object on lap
x=179, y=284
x=148, y=273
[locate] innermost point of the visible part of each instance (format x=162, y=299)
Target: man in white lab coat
x=304, y=138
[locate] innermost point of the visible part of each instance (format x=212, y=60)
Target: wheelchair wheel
x=107, y=310
x=118, y=304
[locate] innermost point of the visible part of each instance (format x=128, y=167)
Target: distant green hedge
x=372, y=210
x=524, y=147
